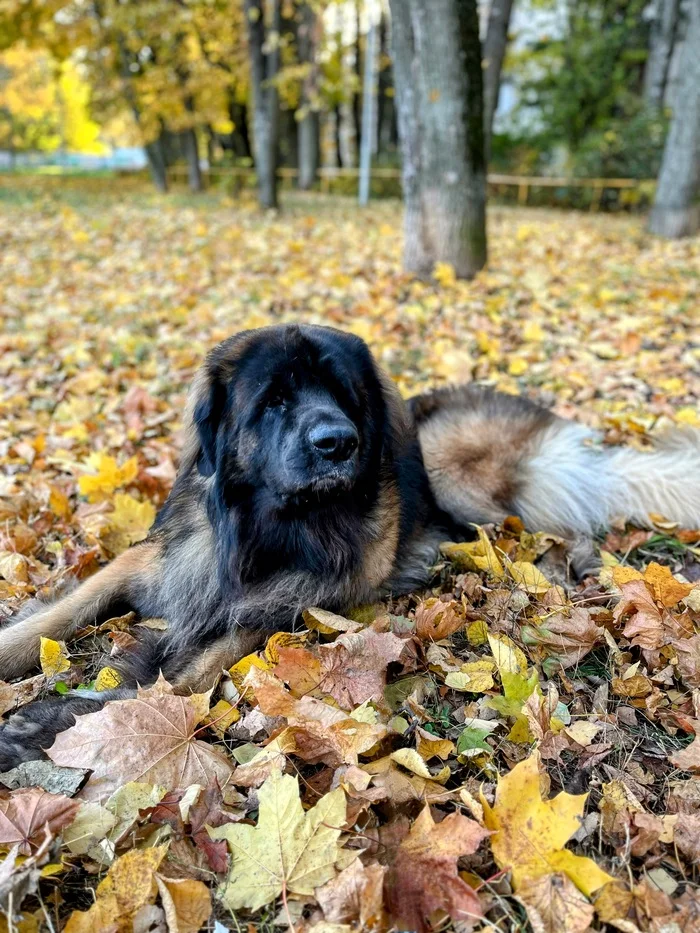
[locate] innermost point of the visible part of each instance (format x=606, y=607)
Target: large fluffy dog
x=306, y=480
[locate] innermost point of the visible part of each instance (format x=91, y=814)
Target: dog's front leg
x=115, y=584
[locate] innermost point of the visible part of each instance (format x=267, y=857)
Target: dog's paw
x=30, y=731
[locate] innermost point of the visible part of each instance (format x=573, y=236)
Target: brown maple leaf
x=688, y=759
x=436, y=619
x=354, y=666
x=424, y=878
x=355, y=895
x=25, y=813
x=152, y=739
x=565, y=637
x=554, y=903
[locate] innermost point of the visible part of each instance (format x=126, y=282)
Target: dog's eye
x=276, y=400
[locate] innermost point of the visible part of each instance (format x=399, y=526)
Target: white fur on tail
x=570, y=486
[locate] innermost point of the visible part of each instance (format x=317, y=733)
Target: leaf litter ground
x=514, y=751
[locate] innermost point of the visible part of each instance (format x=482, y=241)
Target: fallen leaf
x=530, y=832
x=430, y=851
x=105, y=476
x=354, y=666
x=26, y=812
x=53, y=657
x=553, y=903
x=289, y=850
x=529, y=577
x=152, y=739
x=355, y=895
x=128, y=886
x=436, y=619
x=186, y=902
x=688, y=759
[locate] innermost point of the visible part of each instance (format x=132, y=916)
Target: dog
x=306, y=480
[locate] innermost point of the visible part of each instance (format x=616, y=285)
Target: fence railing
x=523, y=183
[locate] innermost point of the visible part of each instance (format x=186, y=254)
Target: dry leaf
x=151, y=739
x=530, y=832
x=25, y=813
x=430, y=853
x=53, y=657
x=289, y=850
x=554, y=904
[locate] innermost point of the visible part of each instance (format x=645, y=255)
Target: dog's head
x=296, y=411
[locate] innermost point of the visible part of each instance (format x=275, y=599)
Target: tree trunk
x=309, y=135
x=369, y=98
x=386, y=114
x=240, y=141
x=264, y=66
x=494, y=52
x=356, y=97
x=157, y=164
x=662, y=38
x=309, y=150
x=437, y=70
x=676, y=210
x=191, y=152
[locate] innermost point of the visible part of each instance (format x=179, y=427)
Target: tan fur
x=473, y=443
x=380, y=553
x=20, y=643
x=204, y=671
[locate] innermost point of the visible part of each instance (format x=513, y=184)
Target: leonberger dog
x=306, y=480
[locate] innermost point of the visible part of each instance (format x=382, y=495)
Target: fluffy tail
x=490, y=455
x=570, y=486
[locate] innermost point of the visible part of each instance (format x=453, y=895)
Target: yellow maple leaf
x=529, y=577
x=107, y=679
x=53, y=657
x=475, y=555
x=105, y=476
x=129, y=522
x=518, y=366
x=240, y=669
x=444, y=273
x=289, y=850
x=127, y=887
x=530, y=832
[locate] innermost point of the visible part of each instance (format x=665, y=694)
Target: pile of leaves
x=508, y=749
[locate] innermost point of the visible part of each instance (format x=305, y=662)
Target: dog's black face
x=295, y=413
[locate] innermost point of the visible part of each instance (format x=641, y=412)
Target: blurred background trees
x=536, y=87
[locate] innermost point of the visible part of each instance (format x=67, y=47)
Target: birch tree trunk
x=662, y=38
x=264, y=55
x=676, y=210
x=309, y=126
x=494, y=52
x=439, y=88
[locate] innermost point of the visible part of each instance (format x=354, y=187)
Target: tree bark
x=416, y=254
x=437, y=64
x=191, y=151
x=676, y=210
x=369, y=97
x=309, y=135
x=662, y=38
x=264, y=65
x=494, y=51
x=157, y=164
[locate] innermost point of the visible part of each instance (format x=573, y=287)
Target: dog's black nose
x=334, y=440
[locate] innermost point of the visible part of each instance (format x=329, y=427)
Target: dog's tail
x=569, y=485
x=490, y=455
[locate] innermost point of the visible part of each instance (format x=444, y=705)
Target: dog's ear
x=206, y=405
x=206, y=417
